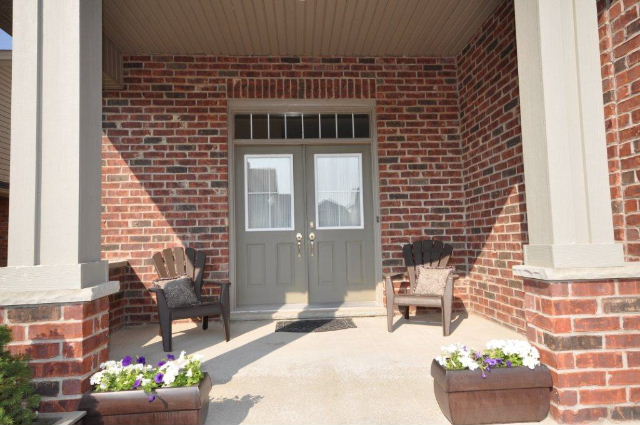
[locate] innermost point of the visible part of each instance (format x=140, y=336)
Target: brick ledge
x=628, y=271
x=57, y=296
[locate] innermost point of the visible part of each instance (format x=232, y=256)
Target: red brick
x=623, y=341
x=624, y=377
x=580, y=379
x=596, y=324
x=60, y=330
x=592, y=289
x=599, y=360
x=603, y=396
x=37, y=351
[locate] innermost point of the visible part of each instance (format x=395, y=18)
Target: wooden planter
x=184, y=406
x=506, y=395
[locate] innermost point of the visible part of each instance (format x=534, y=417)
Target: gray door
x=339, y=224
x=271, y=266
x=305, y=225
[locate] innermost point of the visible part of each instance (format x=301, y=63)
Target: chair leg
x=446, y=317
x=165, y=326
x=225, y=322
x=205, y=323
x=405, y=312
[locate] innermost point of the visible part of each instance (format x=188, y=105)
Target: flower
x=137, y=384
x=161, y=363
x=127, y=361
x=498, y=354
x=171, y=357
x=152, y=397
x=142, y=360
x=158, y=378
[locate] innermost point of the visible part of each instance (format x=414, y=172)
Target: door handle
x=312, y=238
x=299, y=243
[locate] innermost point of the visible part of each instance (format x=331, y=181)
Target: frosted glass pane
x=269, y=190
x=338, y=190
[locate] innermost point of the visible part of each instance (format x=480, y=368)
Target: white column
x=565, y=158
x=54, y=216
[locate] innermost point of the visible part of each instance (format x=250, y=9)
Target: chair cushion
x=178, y=291
x=431, y=281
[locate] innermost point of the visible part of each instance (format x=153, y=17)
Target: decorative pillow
x=178, y=291
x=431, y=281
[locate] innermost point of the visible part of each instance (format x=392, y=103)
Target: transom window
x=262, y=126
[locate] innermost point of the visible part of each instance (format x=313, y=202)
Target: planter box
x=506, y=395
x=184, y=406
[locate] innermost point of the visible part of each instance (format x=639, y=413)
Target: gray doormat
x=316, y=325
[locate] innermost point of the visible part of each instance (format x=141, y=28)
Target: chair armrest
x=394, y=276
x=162, y=300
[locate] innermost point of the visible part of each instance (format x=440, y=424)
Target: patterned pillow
x=178, y=291
x=431, y=281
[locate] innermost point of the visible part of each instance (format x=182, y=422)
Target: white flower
x=96, y=378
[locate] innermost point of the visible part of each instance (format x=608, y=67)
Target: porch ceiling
x=295, y=27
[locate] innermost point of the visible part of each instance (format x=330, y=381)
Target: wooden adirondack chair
x=430, y=252
x=179, y=261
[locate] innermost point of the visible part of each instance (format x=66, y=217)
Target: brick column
x=588, y=334
x=66, y=343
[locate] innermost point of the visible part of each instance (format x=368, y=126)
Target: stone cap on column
x=627, y=271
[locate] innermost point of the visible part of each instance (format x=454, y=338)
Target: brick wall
x=588, y=334
x=620, y=57
x=165, y=170
x=66, y=343
x=493, y=169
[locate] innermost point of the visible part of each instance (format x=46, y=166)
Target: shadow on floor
x=430, y=318
x=231, y=411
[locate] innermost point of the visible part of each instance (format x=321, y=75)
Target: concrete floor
x=351, y=376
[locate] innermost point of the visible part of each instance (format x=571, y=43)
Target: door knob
x=312, y=238
x=299, y=243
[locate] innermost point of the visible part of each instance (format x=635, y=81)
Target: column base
x=588, y=334
x=66, y=343
x=574, y=255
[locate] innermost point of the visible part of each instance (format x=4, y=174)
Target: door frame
x=309, y=106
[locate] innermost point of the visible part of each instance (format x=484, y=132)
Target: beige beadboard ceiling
x=295, y=27
x=290, y=27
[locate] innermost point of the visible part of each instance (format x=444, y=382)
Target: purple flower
x=158, y=378
x=484, y=375
x=128, y=360
x=137, y=384
x=509, y=364
x=162, y=363
x=142, y=360
x=152, y=397
x=171, y=357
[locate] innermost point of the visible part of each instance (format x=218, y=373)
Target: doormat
x=319, y=325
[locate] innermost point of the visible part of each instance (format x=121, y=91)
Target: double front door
x=305, y=225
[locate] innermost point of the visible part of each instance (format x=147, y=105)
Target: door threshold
x=308, y=311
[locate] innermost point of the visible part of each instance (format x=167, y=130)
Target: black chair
x=176, y=262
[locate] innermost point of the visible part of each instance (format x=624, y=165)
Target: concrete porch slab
x=353, y=376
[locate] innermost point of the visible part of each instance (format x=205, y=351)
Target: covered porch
x=482, y=131
x=361, y=375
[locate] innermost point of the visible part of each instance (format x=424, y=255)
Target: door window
x=338, y=186
x=268, y=192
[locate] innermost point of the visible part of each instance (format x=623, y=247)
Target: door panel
x=270, y=202
x=339, y=214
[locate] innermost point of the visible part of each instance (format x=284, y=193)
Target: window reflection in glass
x=338, y=191
x=269, y=191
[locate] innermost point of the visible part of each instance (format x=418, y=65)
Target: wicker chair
x=173, y=262
x=430, y=252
